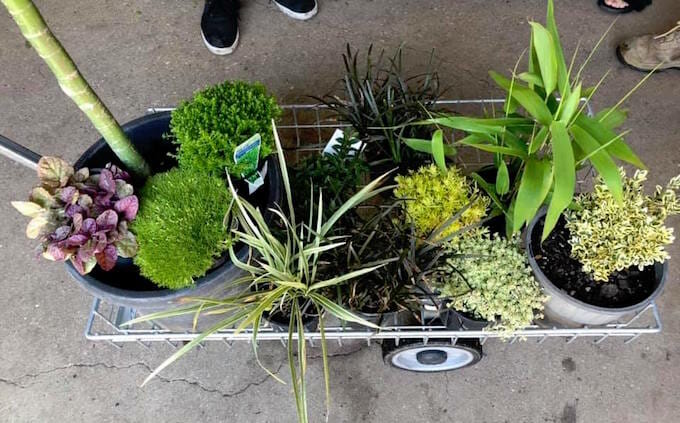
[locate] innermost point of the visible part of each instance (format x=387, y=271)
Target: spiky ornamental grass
x=433, y=197
x=489, y=277
x=209, y=126
x=180, y=227
x=608, y=236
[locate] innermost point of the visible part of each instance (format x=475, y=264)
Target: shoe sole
x=622, y=60
x=220, y=51
x=297, y=15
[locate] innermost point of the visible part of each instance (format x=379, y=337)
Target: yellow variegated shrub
x=433, y=197
x=607, y=236
x=488, y=276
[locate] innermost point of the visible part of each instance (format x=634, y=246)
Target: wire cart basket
x=304, y=130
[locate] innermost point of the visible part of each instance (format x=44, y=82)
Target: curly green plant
x=180, y=226
x=608, y=236
x=209, y=126
x=434, y=196
x=488, y=276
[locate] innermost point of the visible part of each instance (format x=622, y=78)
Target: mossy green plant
x=488, y=277
x=608, y=235
x=217, y=119
x=180, y=226
x=433, y=197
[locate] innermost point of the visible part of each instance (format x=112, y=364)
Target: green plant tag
x=248, y=155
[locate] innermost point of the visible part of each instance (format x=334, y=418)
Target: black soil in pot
x=625, y=288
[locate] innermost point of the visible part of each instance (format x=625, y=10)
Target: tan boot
x=646, y=52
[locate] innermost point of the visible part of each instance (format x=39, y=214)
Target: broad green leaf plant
x=281, y=275
x=538, y=152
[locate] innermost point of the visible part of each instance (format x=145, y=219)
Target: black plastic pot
x=123, y=285
x=281, y=323
x=567, y=310
x=456, y=320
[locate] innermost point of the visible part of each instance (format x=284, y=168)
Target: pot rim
x=553, y=290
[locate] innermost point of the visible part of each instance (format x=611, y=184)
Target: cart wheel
x=436, y=356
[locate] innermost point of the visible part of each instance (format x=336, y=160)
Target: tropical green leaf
x=569, y=105
x=502, y=178
x=531, y=78
x=534, y=186
x=545, y=53
x=478, y=125
x=602, y=135
x=539, y=139
x=425, y=146
x=562, y=73
x=489, y=189
x=564, y=175
x=611, y=119
x=479, y=143
x=603, y=163
x=527, y=98
x=438, y=149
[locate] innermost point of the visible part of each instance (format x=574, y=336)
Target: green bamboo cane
x=36, y=31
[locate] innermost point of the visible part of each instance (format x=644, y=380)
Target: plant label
x=337, y=136
x=248, y=154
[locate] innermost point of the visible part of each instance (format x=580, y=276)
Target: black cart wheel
x=436, y=356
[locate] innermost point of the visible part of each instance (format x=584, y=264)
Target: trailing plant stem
x=36, y=31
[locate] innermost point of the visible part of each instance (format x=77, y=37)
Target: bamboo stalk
x=36, y=31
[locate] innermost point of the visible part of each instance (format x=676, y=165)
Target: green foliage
x=284, y=277
x=608, y=235
x=380, y=100
x=218, y=119
x=433, y=197
x=336, y=175
x=489, y=277
x=180, y=226
x=545, y=139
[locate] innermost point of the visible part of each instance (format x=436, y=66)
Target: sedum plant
x=544, y=134
x=488, y=277
x=180, y=227
x=433, y=196
x=282, y=272
x=72, y=83
x=217, y=119
x=81, y=217
x=608, y=236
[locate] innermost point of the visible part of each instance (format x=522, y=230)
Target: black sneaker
x=219, y=26
x=298, y=9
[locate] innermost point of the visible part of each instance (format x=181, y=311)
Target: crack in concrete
x=340, y=354
x=16, y=382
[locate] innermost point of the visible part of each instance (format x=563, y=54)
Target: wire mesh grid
x=305, y=130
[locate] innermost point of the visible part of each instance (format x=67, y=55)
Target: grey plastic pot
x=567, y=310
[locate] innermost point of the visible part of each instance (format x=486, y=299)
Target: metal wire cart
x=305, y=130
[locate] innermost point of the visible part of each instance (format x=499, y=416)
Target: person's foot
x=298, y=9
x=616, y=4
x=648, y=51
x=219, y=26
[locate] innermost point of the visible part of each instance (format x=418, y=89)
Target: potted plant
x=543, y=135
x=380, y=100
x=224, y=115
x=282, y=270
x=605, y=258
x=486, y=280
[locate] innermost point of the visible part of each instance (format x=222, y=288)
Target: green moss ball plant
x=180, y=226
x=433, y=197
x=217, y=119
x=489, y=278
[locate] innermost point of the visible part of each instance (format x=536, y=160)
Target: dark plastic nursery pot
x=567, y=310
x=456, y=320
x=123, y=285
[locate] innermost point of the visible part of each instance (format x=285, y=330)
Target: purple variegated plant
x=80, y=216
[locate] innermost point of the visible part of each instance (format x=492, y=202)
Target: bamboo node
x=37, y=34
